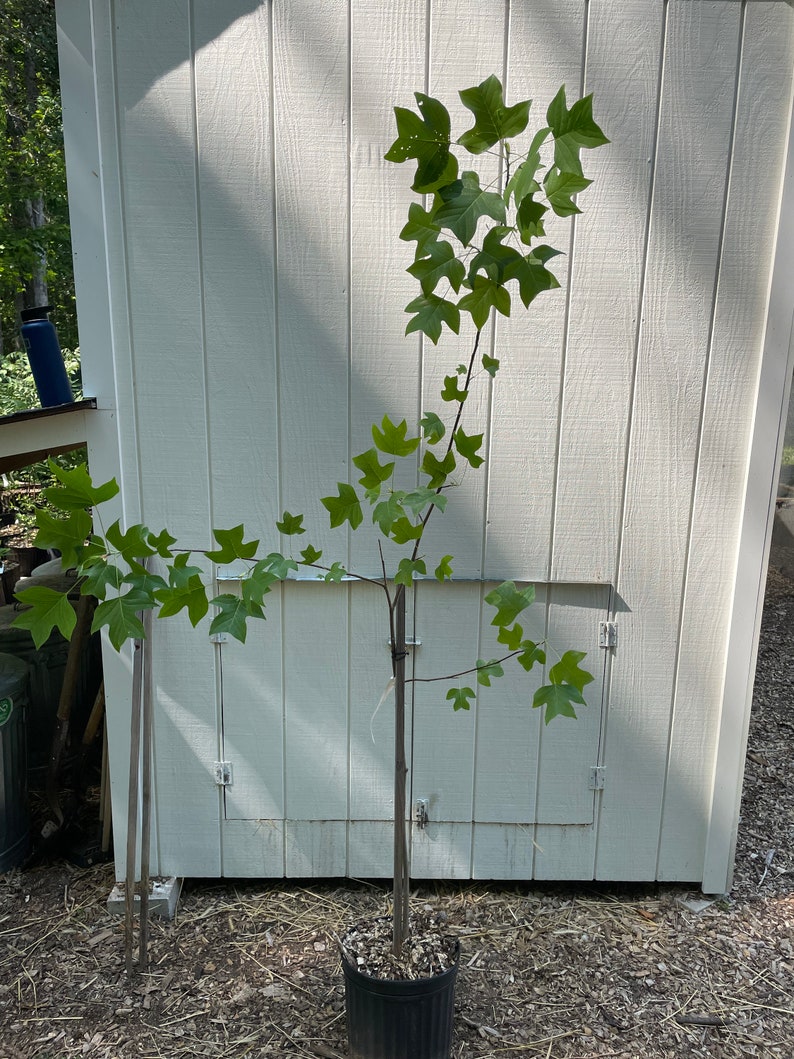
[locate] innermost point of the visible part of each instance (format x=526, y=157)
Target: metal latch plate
x=224, y=774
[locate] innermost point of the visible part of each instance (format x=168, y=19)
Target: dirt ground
x=559, y=972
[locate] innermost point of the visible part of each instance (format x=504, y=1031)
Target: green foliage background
x=32, y=169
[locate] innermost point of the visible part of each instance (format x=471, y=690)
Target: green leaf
x=494, y=257
x=439, y=264
x=430, y=313
x=257, y=583
x=459, y=697
x=425, y=137
x=232, y=545
x=438, y=470
x=568, y=671
x=467, y=445
x=524, y=179
x=418, y=499
x=144, y=581
x=311, y=555
x=391, y=439
x=558, y=700
x=77, y=490
x=491, y=364
x=573, y=129
x=407, y=569
x=531, y=654
x=511, y=637
x=99, y=575
x=162, y=543
x=67, y=535
x=486, y=294
x=179, y=573
x=487, y=671
x=375, y=472
x=451, y=391
x=560, y=187
x=509, y=602
x=190, y=595
x=132, y=544
x=443, y=571
x=120, y=615
x=290, y=525
x=493, y=119
x=346, y=507
x=530, y=219
x=388, y=511
x=433, y=428
x=532, y=277
x=232, y=616
x=48, y=610
x=403, y=530
x=336, y=573
x=420, y=227
x=278, y=565
x=463, y=203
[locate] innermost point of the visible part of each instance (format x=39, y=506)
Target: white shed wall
x=237, y=250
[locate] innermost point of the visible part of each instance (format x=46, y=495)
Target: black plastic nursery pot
x=389, y=1019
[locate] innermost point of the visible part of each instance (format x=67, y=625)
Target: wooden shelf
x=33, y=435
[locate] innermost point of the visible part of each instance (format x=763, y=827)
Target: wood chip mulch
x=559, y=972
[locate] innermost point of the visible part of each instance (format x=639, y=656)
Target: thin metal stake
x=132, y=802
x=146, y=793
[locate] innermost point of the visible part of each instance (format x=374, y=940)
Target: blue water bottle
x=46, y=359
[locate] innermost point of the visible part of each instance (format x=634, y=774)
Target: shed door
x=311, y=748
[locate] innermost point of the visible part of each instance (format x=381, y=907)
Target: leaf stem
x=464, y=672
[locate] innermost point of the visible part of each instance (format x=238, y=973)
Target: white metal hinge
x=608, y=634
x=597, y=778
x=421, y=817
x=218, y=637
x=224, y=775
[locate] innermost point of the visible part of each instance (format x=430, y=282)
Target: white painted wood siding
x=246, y=231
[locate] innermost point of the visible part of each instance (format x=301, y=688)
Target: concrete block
x=163, y=898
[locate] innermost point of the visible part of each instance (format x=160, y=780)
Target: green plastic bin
x=14, y=824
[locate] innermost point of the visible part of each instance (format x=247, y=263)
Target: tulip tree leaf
x=485, y=295
x=560, y=187
x=77, y=489
x=121, y=616
x=487, y=671
x=67, y=535
x=431, y=312
x=493, y=119
x=433, y=428
x=491, y=364
x=418, y=499
x=391, y=439
x=467, y=445
x=558, y=700
x=425, y=137
x=346, y=507
x=451, y=391
x=232, y=617
x=459, y=697
x=443, y=571
x=510, y=637
x=440, y=263
x=403, y=530
x=290, y=525
x=407, y=569
x=420, y=227
x=509, y=601
x=573, y=129
x=375, y=472
x=232, y=545
x=336, y=573
x=311, y=555
x=49, y=609
x=463, y=203
x=438, y=470
x=532, y=276
x=530, y=654
x=568, y=671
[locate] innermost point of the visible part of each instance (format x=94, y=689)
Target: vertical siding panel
x=698, y=91
x=158, y=160
x=153, y=50
x=623, y=55
x=545, y=50
x=387, y=66
x=311, y=50
x=737, y=345
x=236, y=231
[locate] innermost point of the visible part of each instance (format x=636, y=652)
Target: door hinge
x=421, y=817
x=224, y=775
x=597, y=778
x=218, y=637
x=608, y=634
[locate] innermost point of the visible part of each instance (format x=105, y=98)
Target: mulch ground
x=559, y=972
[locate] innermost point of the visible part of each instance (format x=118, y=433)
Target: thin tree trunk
x=400, y=926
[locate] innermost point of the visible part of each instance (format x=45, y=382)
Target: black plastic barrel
x=399, y=1019
x=14, y=826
